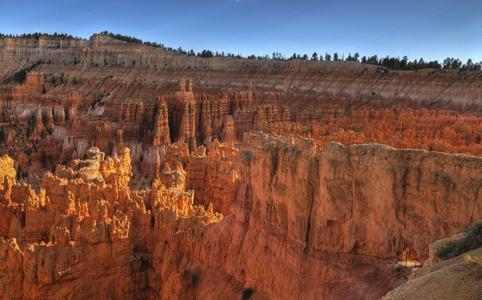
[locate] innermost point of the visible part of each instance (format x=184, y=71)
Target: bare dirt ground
x=456, y=278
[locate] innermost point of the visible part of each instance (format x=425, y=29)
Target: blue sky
x=432, y=29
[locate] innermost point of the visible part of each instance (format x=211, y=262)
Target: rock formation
x=324, y=215
x=213, y=177
x=80, y=93
x=161, y=126
x=119, y=186
x=86, y=229
x=229, y=134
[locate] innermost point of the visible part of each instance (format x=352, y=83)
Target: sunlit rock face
x=86, y=228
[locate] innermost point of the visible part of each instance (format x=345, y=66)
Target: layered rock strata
x=80, y=93
x=142, y=71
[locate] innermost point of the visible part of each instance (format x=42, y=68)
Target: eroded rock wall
x=337, y=217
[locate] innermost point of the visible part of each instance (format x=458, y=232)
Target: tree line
x=393, y=63
x=204, y=53
x=36, y=35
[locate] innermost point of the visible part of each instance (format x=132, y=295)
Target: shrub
x=471, y=239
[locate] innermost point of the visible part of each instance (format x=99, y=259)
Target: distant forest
x=36, y=35
x=393, y=63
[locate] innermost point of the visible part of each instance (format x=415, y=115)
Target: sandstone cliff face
x=299, y=215
x=337, y=217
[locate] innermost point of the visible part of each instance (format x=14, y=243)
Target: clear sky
x=432, y=29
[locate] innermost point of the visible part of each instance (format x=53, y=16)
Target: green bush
x=472, y=239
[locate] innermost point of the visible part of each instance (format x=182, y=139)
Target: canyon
x=130, y=171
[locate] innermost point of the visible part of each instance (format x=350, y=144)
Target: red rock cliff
x=336, y=217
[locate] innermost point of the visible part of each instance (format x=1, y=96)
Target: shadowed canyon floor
x=135, y=172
